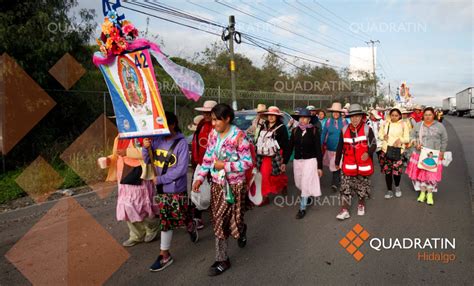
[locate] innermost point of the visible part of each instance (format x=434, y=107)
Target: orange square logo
x=357, y=235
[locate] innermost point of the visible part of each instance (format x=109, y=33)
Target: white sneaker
x=398, y=192
x=389, y=194
x=344, y=214
x=361, y=210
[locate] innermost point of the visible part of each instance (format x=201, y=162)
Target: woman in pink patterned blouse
x=227, y=158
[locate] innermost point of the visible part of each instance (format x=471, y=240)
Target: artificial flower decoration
x=115, y=35
x=112, y=15
x=106, y=26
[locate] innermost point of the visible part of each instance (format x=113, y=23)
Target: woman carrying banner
x=427, y=134
x=394, y=135
x=330, y=139
x=272, y=149
x=227, y=158
x=308, y=164
x=135, y=190
x=170, y=156
x=356, y=147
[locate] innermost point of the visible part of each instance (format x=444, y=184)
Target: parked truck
x=465, y=102
x=449, y=105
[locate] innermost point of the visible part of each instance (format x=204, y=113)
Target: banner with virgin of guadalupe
x=126, y=65
x=136, y=99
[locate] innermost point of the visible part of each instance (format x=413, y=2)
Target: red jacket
x=199, y=144
x=354, y=147
x=418, y=117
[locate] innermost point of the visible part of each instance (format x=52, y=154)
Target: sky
x=426, y=43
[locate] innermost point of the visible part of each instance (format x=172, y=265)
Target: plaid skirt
x=228, y=219
x=172, y=211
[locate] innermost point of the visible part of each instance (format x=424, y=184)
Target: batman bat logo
x=160, y=157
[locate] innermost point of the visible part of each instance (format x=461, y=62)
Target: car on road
x=244, y=118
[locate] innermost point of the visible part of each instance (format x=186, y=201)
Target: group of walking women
x=152, y=173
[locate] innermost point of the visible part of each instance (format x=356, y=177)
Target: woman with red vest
x=356, y=146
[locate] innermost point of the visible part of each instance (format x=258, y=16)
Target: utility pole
x=147, y=23
x=232, y=62
x=372, y=42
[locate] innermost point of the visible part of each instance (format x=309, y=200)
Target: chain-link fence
x=175, y=101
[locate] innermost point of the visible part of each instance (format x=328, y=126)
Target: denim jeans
x=303, y=203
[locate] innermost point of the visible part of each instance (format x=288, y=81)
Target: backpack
x=328, y=123
x=267, y=145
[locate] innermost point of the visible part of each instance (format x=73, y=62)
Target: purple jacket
x=175, y=179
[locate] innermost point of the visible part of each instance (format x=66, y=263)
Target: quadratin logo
x=357, y=236
x=353, y=240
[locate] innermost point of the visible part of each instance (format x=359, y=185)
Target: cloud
x=448, y=15
x=288, y=22
x=433, y=93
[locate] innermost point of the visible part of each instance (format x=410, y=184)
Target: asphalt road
x=282, y=250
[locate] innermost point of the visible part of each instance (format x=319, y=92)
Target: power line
x=337, y=16
x=282, y=28
x=254, y=43
x=336, y=26
x=171, y=21
x=259, y=37
x=166, y=9
x=253, y=40
x=347, y=22
x=334, y=40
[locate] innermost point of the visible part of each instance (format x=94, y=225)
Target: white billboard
x=361, y=62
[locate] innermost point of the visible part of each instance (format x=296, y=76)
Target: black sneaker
x=300, y=214
x=242, y=241
x=193, y=231
x=161, y=263
x=219, y=267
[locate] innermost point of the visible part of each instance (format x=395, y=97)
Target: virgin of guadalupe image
x=131, y=83
x=429, y=162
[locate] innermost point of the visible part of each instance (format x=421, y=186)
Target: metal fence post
x=294, y=107
x=219, y=94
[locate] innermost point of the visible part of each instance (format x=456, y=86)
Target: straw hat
x=302, y=113
x=261, y=108
x=347, y=105
x=395, y=108
x=273, y=110
x=417, y=107
x=406, y=111
x=336, y=107
x=196, y=120
x=207, y=106
x=355, y=109
x=375, y=114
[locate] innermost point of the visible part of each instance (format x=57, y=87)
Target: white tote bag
x=255, y=188
x=429, y=159
x=202, y=200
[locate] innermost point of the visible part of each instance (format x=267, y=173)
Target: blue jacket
x=330, y=135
